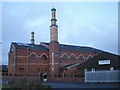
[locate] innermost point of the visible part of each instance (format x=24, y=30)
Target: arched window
x=73, y=57
x=33, y=56
x=81, y=57
x=44, y=57
x=90, y=57
x=65, y=56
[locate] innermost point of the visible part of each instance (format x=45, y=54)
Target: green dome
x=53, y=9
x=32, y=32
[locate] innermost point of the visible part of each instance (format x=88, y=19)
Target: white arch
x=73, y=55
x=81, y=55
x=43, y=54
x=65, y=54
x=33, y=53
x=89, y=56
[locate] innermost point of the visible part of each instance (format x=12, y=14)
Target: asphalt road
x=81, y=85
x=75, y=85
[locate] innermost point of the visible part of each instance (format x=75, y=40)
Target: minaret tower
x=32, y=38
x=54, y=46
x=53, y=27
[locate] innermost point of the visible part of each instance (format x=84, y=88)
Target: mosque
x=53, y=58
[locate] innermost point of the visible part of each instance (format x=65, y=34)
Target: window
x=21, y=69
x=38, y=69
x=72, y=57
x=43, y=57
x=33, y=56
x=93, y=69
x=65, y=56
x=81, y=57
x=111, y=68
x=85, y=70
x=90, y=57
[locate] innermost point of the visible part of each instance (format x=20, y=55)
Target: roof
x=76, y=48
x=63, y=47
x=69, y=66
x=53, y=9
x=32, y=32
x=29, y=46
x=94, y=62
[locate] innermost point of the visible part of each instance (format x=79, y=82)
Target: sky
x=92, y=24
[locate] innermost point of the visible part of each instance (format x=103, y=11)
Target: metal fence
x=102, y=76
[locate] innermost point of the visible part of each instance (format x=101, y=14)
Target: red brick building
x=53, y=58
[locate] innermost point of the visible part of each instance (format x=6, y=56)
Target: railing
x=102, y=76
x=48, y=74
x=75, y=77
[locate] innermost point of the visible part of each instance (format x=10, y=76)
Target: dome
x=53, y=9
x=32, y=32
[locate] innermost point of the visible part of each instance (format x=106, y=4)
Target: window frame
x=81, y=58
x=74, y=56
x=45, y=57
x=64, y=55
x=90, y=57
x=31, y=57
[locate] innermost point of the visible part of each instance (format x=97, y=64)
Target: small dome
x=32, y=32
x=53, y=9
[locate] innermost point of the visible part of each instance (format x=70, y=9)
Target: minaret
x=53, y=27
x=32, y=38
x=54, y=46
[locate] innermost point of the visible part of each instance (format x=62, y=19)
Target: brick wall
x=36, y=66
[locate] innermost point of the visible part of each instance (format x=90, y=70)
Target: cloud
x=84, y=24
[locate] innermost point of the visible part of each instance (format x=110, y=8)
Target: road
x=75, y=85
x=80, y=85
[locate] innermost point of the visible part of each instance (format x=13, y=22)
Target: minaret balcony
x=53, y=25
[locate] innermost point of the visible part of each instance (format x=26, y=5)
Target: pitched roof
x=29, y=46
x=94, y=62
x=76, y=48
x=64, y=47
x=69, y=66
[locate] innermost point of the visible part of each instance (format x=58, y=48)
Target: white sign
x=102, y=62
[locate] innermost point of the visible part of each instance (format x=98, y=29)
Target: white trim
x=81, y=55
x=52, y=61
x=44, y=54
x=89, y=56
x=65, y=54
x=73, y=55
x=33, y=53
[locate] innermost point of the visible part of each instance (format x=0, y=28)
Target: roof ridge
x=26, y=43
x=75, y=45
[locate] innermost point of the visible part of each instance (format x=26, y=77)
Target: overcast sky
x=93, y=24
